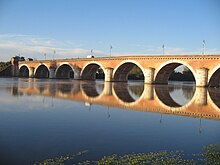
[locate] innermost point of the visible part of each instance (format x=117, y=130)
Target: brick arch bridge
x=156, y=69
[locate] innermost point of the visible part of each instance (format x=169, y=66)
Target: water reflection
x=128, y=93
x=67, y=88
x=215, y=95
x=53, y=117
x=175, y=95
x=92, y=89
x=184, y=100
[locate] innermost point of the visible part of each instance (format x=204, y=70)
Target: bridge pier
x=31, y=72
x=77, y=72
x=149, y=75
x=108, y=74
x=201, y=77
x=52, y=72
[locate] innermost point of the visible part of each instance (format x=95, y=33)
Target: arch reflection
x=142, y=97
x=214, y=94
x=128, y=93
x=173, y=95
x=64, y=88
x=92, y=89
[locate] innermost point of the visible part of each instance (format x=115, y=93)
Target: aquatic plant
x=210, y=156
x=162, y=157
x=60, y=160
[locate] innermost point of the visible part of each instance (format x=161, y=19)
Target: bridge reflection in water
x=165, y=99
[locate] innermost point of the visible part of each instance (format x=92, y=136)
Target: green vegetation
x=135, y=74
x=4, y=65
x=162, y=157
x=186, y=75
x=60, y=160
x=209, y=156
x=100, y=74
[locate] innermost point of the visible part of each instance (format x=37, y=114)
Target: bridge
x=156, y=69
x=204, y=102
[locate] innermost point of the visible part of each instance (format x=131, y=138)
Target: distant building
x=14, y=60
x=14, y=63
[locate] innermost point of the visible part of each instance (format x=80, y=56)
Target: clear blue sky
x=74, y=27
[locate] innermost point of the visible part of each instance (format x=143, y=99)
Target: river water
x=41, y=119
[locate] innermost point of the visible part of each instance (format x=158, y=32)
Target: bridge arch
x=164, y=71
x=121, y=72
x=24, y=71
x=65, y=71
x=42, y=71
x=214, y=78
x=90, y=69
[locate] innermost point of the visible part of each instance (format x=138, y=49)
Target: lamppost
x=54, y=52
x=110, y=50
x=163, y=47
x=203, y=49
x=45, y=55
x=91, y=52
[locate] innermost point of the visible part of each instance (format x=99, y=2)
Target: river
x=42, y=118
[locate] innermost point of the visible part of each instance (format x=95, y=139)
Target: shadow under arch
x=64, y=71
x=90, y=70
x=24, y=71
x=128, y=93
x=215, y=77
x=166, y=69
x=122, y=70
x=163, y=94
x=42, y=71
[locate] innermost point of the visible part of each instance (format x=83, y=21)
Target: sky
x=72, y=28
